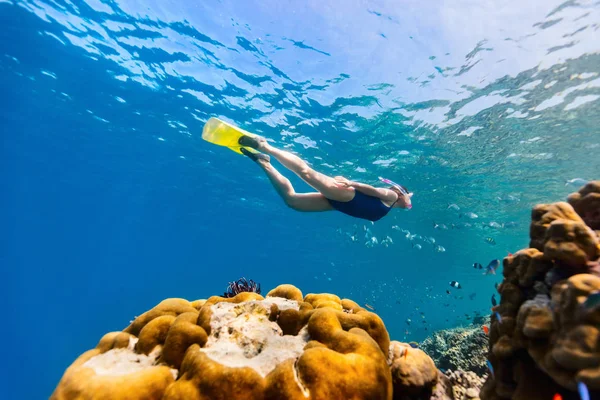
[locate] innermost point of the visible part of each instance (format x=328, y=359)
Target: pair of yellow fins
x=222, y=133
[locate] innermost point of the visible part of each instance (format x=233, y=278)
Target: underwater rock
x=548, y=338
x=282, y=346
x=463, y=348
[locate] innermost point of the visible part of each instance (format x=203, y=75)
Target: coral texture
x=463, y=348
x=414, y=374
x=282, y=346
x=543, y=338
x=457, y=385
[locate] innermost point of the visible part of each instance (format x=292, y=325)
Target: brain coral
x=282, y=346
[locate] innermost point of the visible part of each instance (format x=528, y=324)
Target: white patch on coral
x=243, y=336
x=124, y=361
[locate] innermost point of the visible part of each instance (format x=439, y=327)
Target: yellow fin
x=223, y=134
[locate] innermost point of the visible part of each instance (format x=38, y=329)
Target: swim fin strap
x=221, y=133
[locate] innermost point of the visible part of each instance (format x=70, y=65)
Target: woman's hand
x=343, y=182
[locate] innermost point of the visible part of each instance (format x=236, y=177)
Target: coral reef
x=543, y=338
x=462, y=348
x=414, y=374
x=458, y=385
x=282, y=346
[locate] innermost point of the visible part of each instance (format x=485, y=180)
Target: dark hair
x=403, y=188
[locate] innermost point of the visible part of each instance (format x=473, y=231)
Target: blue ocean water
x=112, y=201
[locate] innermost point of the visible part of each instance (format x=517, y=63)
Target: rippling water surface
x=114, y=202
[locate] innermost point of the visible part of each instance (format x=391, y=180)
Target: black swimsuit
x=362, y=206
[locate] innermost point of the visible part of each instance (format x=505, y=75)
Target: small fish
x=492, y=266
x=440, y=226
x=509, y=254
x=447, y=291
x=557, y=396
x=509, y=199
x=470, y=215
x=576, y=182
x=417, y=246
x=370, y=307
x=494, y=225
x=477, y=266
x=489, y=365
x=486, y=330
x=472, y=296
x=592, y=301
x=490, y=240
x=498, y=317
x=455, y=285
x=408, y=321
x=494, y=302
x=496, y=285
x=453, y=207
x=440, y=249
x=584, y=393
x=414, y=345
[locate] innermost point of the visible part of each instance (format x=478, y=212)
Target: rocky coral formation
x=414, y=374
x=543, y=339
x=462, y=348
x=458, y=385
x=586, y=203
x=282, y=346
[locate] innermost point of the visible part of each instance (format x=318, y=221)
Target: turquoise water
x=113, y=202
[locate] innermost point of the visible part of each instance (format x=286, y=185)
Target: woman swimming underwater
x=338, y=193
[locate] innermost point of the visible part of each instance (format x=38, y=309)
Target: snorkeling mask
x=397, y=186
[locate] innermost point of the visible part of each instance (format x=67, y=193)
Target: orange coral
x=114, y=371
x=224, y=348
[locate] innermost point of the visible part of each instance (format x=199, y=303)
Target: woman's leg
x=297, y=201
x=321, y=182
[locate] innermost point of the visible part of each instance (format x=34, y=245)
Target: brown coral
x=224, y=348
x=114, y=371
x=413, y=372
x=571, y=243
x=547, y=338
x=543, y=215
x=586, y=202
